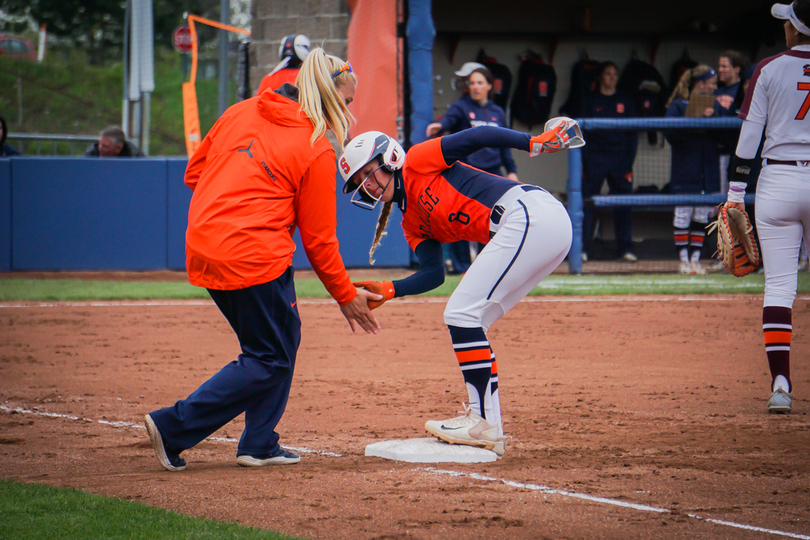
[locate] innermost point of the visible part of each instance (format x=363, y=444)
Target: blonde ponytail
x=683, y=89
x=318, y=95
x=382, y=223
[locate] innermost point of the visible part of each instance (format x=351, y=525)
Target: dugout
x=561, y=33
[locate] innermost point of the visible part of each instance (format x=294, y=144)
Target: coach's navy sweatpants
x=265, y=319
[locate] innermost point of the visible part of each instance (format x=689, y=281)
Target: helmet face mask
x=361, y=196
x=369, y=146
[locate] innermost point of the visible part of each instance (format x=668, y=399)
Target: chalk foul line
x=546, y=490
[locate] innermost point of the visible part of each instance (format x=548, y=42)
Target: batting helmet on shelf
x=360, y=151
x=295, y=47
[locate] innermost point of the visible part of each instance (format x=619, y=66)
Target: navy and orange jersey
x=447, y=200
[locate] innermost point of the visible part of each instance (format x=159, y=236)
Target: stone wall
x=324, y=22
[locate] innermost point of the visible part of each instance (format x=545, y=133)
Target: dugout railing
x=576, y=202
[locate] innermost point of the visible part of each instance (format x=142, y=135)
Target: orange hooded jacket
x=255, y=177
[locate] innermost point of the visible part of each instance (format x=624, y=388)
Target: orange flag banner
x=191, y=115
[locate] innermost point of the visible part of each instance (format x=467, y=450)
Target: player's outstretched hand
x=358, y=312
x=560, y=133
x=383, y=288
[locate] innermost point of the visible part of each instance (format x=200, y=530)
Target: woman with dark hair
x=475, y=109
x=609, y=156
x=6, y=150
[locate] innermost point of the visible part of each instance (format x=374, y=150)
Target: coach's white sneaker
x=697, y=268
x=685, y=268
x=780, y=402
x=470, y=429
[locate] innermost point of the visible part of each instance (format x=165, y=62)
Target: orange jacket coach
x=255, y=177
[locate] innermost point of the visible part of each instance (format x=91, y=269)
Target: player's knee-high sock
x=697, y=233
x=475, y=360
x=777, y=328
x=494, y=416
x=682, y=244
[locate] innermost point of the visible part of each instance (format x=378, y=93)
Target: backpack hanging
x=678, y=68
x=501, y=78
x=584, y=80
x=642, y=81
x=534, y=91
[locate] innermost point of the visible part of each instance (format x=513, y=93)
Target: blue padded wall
x=89, y=214
x=355, y=231
x=5, y=215
x=179, y=197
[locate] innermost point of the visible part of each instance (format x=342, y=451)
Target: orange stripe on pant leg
x=777, y=336
x=473, y=356
x=494, y=367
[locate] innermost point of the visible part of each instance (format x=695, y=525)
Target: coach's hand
x=357, y=311
x=384, y=288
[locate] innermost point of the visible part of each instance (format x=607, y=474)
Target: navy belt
x=498, y=210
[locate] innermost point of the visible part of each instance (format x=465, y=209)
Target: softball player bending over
x=527, y=234
x=778, y=102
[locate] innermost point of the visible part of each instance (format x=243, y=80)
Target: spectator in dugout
x=112, y=143
x=609, y=156
x=475, y=108
x=695, y=162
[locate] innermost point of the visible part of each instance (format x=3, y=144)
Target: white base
x=429, y=450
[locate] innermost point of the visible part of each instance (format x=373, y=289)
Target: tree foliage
x=97, y=26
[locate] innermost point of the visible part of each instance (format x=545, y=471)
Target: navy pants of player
x=598, y=167
x=265, y=319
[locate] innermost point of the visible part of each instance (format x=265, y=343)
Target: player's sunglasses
x=346, y=67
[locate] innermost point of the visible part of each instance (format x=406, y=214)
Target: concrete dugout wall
x=98, y=214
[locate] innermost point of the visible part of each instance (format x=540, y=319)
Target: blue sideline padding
x=5, y=215
x=88, y=214
x=123, y=214
x=179, y=198
x=611, y=201
x=355, y=231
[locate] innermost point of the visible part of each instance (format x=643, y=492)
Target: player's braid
x=382, y=223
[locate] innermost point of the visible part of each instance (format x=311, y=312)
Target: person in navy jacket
x=695, y=165
x=476, y=108
x=609, y=155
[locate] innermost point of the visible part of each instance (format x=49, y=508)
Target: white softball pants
x=783, y=218
x=531, y=240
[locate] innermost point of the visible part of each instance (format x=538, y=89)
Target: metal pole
x=147, y=111
x=225, y=18
x=125, y=106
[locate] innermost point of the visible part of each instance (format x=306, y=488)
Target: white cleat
x=470, y=429
x=780, y=402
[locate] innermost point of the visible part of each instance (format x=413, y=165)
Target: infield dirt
x=652, y=401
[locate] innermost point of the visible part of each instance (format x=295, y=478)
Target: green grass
x=53, y=290
x=39, y=512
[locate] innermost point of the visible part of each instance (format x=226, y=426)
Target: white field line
x=138, y=426
x=613, y=502
x=417, y=300
x=545, y=490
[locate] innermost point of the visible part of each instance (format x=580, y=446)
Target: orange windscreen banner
x=191, y=115
x=372, y=51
